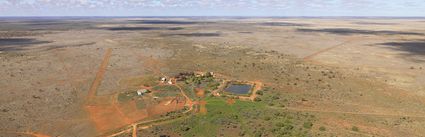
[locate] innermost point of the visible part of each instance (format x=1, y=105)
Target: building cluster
x=167, y=80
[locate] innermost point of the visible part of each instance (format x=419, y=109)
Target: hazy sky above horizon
x=212, y=7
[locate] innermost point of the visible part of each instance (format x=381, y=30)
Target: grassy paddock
x=250, y=118
x=126, y=96
x=166, y=91
x=219, y=112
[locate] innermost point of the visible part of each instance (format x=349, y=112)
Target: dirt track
x=100, y=74
x=309, y=57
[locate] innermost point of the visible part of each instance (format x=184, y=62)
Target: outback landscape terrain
x=212, y=76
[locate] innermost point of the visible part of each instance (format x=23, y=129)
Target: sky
x=399, y=8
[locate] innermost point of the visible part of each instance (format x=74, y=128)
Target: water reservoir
x=238, y=88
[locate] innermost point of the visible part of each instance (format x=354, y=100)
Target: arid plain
x=319, y=76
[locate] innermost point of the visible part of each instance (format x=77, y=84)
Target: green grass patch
x=188, y=90
x=166, y=94
x=126, y=96
x=140, y=104
x=218, y=113
x=166, y=91
x=209, y=84
x=170, y=88
x=251, y=118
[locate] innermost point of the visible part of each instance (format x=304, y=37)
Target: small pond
x=238, y=88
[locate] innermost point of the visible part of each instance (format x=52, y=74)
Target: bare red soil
x=100, y=73
x=230, y=101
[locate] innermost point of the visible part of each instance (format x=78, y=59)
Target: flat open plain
x=344, y=76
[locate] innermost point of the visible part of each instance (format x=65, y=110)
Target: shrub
x=322, y=128
x=257, y=99
x=288, y=128
x=242, y=133
x=280, y=124
x=354, y=128
x=308, y=125
x=185, y=128
x=207, y=75
x=259, y=92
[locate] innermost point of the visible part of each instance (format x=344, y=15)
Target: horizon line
x=231, y=16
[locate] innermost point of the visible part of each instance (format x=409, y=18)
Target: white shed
x=140, y=92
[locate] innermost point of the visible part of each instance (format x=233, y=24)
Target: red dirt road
x=202, y=108
x=100, y=73
x=230, y=101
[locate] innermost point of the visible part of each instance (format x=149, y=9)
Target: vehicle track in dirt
x=146, y=124
x=311, y=56
x=100, y=74
x=122, y=115
x=134, y=131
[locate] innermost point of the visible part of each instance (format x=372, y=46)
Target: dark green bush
x=354, y=128
x=259, y=92
x=308, y=125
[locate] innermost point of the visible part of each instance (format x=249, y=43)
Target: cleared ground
x=356, y=77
